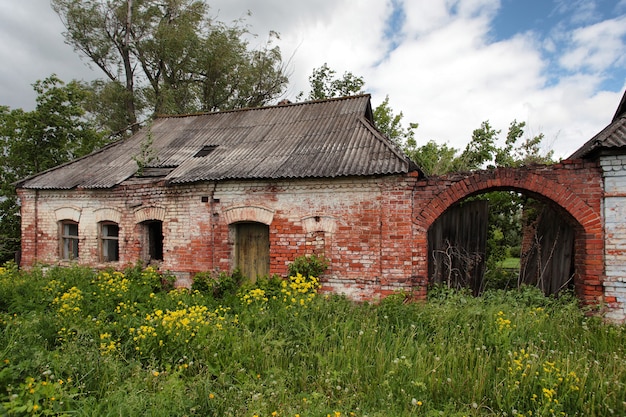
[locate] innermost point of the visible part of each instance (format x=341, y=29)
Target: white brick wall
x=614, y=172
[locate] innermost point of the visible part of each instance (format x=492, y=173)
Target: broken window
x=153, y=240
x=69, y=239
x=109, y=242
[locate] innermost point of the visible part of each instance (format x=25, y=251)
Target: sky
x=449, y=65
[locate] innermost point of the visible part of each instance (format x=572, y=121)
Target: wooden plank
x=548, y=261
x=253, y=250
x=457, y=245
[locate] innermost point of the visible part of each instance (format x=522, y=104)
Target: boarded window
x=109, y=242
x=69, y=239
x=152, y=240
x=252, y=249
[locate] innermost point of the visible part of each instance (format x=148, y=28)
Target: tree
x=432, y=158
x=57, y=131
x=325, y=84
x=169, y=56
x=391, y=124
x=483, y=151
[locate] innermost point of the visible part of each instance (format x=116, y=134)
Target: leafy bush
x=308, y=266
x=217, y=285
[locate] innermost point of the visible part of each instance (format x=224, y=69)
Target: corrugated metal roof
x=329, y=138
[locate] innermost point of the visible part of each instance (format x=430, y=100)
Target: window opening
x=206, y=149
x=69, y=240
x=109, y=242
x=154, y=236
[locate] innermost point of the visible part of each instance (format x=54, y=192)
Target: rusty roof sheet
x=322, y=139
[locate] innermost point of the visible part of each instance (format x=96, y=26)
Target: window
x=109, y=242
x=69, y=240
x=206, y=149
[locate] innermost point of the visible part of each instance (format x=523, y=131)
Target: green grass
x=510, y=263
x=76, y=343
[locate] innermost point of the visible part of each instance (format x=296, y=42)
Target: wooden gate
x=548, y=253
x=252, y=250
x=457, y=244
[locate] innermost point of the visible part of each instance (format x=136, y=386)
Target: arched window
x=68, y=229
x=109, y=241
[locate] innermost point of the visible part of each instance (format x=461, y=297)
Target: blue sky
x=553, y=22
x=558, y=65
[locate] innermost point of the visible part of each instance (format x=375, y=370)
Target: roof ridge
x=273, y=106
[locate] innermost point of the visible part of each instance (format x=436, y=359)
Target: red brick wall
x=362, y=225
x=373, y=230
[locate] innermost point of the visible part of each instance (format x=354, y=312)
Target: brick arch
x=108, y=214
x=532, y=183
x=319, y=223
x=149, y=213
x=68, y=213
x=575, y=188
x=249, y=213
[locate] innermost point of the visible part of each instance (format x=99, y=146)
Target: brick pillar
x=614, y=173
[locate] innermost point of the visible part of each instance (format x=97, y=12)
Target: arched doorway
x=470, y=243
x=574, y=189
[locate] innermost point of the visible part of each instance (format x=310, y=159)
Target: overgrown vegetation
x=78, y=342
x=56, y=131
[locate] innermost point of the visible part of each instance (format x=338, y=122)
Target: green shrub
x=308, y=266
x=218, y=285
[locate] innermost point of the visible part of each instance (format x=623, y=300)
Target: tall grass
x=77, y=342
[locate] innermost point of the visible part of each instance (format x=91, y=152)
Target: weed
x=83, y=343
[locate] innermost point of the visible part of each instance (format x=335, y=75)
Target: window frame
x=69, y=244
x=104, y=240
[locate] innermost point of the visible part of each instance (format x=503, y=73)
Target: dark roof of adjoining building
x=317, y=139
x=612, y=139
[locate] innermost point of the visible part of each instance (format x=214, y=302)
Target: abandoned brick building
x=255, y=188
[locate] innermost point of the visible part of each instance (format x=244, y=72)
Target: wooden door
x=252, y=250
x=457, y=245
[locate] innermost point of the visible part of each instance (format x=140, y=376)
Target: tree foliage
x=324, y=84
x=484, y=150
x=169, y=56
x=57, y=131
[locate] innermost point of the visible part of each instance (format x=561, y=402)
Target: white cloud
x=447, y=72
x=597, y=47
